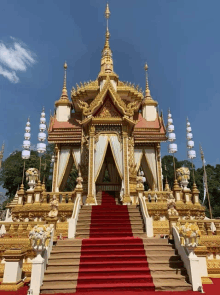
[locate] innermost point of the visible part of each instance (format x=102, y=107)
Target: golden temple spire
x=64, y=90
x=147, y=89
x=106, y=60
x=148, y=98
x=64, y=99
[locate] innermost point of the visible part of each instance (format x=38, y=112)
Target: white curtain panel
x=117, y=153
x=100, y=151
x=122, y=190
x=147, y=172
x=151, y=159
x=77, y=156
x=63, y=162
x=137, y=157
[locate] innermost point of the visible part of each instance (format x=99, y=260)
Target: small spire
x=106, y=60
x=147, y=90
x=107, y=13
x=64, y=91
x=64, y=99
x=148, y=100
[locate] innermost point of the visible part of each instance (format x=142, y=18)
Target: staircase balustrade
x=195, y=268
x=148, y=221
x=73, y=220
x=39, y=264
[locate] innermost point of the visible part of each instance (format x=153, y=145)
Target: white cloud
x=13, y=58
x=11, y=76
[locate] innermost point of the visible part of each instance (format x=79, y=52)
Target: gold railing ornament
x=189, y=234
x=40, y=236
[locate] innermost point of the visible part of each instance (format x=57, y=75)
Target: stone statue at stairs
x=54, y=207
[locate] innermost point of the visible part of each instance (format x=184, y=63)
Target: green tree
x=11, y=172
x=213, y=178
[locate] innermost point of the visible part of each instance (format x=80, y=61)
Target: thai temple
x=122, y=228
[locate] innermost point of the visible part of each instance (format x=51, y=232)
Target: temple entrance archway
x=108, y=177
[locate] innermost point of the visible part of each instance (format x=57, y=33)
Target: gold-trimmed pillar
x=90, y=198
x=13, y=270
x=55, y=168
x=126, y=197
x=159, y=173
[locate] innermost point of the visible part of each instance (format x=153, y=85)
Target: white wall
x=63, y=113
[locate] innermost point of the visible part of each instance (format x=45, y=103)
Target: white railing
x=190, y=261
x=39, y=264
x=148, y=221
x=73, y=220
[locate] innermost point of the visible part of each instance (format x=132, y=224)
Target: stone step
x=160, y=264
x=166, y=257
x=171, y=285
x=63, y=262
x=157, y=271
x=155, y=241
x=62, y=269
x=82, y=236
x=65, y=255
x=166, y=252
x=69, y=242
x=62, y=249
x=59, y=287
x=68, y=277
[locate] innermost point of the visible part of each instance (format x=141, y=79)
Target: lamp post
x=41, y=146
x=172, y=147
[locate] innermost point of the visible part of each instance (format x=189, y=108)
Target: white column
x=13, y=270
x=37, y=272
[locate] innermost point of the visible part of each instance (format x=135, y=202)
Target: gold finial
x=64, y=90
x=107, y=14
x=147, y=90
x=65, y=68
x=146, y=67
x=107, y=11
x=106, y=60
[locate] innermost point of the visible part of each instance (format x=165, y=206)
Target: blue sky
x=178, y=39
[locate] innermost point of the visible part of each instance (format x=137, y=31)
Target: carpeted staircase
x=111, y=253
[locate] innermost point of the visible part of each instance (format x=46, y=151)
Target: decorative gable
x=108, y=110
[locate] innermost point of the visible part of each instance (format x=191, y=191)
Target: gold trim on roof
x=88, y=109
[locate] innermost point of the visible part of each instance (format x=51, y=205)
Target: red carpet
x=109, y=219
x=112, y=259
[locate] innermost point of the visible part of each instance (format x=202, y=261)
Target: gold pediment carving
x=108, y=110
x=89, y=109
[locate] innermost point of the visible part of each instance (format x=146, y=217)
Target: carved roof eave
x=127, y=110
x=130, y=121
x=130, y=92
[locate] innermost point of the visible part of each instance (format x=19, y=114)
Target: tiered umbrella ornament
x=172, y=147
x=191, y=153
x=26, y=153
x=41, y=146
x=26, y=143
